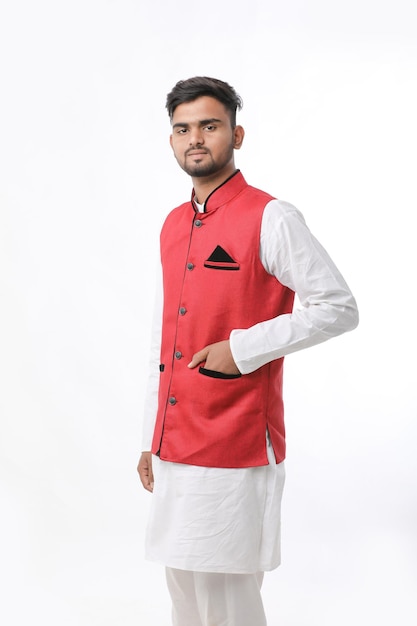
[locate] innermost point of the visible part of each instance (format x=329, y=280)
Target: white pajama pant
x=215, y=599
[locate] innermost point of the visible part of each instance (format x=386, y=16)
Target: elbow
x=355, y=320
x=344, y=317
x=353, y=314
x=349, y=319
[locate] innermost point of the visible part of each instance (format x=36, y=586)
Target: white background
x=86, y=178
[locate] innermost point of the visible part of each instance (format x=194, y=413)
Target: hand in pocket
x=217, y=357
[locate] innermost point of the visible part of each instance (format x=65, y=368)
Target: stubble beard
x=200, y=170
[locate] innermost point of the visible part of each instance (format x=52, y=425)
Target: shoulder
x=277, y=210
x=254, y=192
x=283, y=218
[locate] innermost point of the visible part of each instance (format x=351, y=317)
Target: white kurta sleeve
x=151, y=395
x=292, y=254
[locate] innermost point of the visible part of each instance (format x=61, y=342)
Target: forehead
x=202, y=108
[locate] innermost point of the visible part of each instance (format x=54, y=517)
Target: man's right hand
x=145, y=470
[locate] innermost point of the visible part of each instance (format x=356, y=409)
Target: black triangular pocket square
x=219, y=259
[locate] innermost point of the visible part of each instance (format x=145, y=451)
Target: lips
x=196, y=153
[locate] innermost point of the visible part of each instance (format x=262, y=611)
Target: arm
x=144, y=467
x=292, y=254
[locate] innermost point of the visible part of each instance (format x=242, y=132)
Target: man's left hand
x=217, y=356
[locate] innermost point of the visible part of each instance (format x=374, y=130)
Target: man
x=214, y=441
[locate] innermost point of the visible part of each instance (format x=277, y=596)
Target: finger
x=145, y=472
x=150, y=476
x=146, y=481
x=151, y=479
x=198, y=357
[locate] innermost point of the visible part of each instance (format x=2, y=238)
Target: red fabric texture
x=202, y=419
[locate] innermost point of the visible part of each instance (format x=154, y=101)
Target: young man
x=214, y=441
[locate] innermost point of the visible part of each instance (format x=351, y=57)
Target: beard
x=200, y=170
x=208, y=167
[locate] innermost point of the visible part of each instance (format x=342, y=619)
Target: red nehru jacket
x=214, y=282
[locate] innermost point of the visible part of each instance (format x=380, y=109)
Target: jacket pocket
x=215, y=374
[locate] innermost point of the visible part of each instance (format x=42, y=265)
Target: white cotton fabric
x=216, y=519
x=205, y=599
x=228, y=520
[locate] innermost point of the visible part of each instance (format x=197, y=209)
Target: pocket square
x=219, y=259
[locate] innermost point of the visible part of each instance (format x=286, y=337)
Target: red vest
x=214, y=282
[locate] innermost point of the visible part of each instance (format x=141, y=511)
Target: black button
x=172, y=401
x=198, y=223
x=183, y=310
x=190, y=266
x=178, y=355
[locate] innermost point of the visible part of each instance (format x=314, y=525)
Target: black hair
x=193, y=88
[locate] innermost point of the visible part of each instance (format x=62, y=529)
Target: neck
x=203, y=186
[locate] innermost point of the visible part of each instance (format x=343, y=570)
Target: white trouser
x=215, y=599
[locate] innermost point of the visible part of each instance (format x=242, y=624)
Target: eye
x=210, y=127
x=181, y=131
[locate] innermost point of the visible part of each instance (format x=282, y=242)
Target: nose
x=196, y=137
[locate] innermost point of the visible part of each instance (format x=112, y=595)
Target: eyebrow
x=211, y=120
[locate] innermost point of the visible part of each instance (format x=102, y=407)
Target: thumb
x=198, y=357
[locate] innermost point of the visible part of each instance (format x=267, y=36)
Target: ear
x=170, y=141
x=239, y=135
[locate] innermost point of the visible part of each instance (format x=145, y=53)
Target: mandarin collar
x=225, y=192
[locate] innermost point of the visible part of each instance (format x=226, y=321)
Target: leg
x=184, y=603
x=229, y=599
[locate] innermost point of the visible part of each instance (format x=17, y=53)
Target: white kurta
x=228, y=520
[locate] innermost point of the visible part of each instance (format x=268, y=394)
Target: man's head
x=204, y=131
x=193, y=88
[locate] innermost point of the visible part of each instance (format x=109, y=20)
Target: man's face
x=203, y=139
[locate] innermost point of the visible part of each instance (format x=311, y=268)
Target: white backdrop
x=87, y=177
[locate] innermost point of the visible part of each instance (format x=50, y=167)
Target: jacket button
x=172, y=401
x=190, y=266
x=178, y=355
x=183, y=310
x=198, y=223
